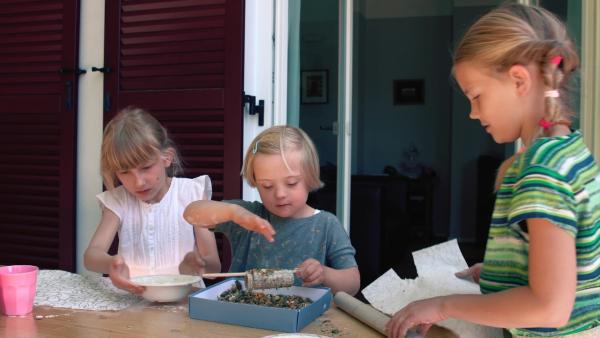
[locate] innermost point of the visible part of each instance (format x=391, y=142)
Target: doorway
x=409, y=172
x=421, y=171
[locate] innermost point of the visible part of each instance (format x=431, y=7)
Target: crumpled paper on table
x=436, y=266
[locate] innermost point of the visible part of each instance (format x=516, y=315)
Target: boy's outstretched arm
x=207, y=214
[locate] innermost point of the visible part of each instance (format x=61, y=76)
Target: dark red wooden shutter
x=37, y=132
x=183, y=61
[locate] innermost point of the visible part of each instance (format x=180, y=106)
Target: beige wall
x=89, y=125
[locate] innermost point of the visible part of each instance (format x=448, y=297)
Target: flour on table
x=436, y=266
x=63, y=289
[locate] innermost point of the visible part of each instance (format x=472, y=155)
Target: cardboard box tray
x=204, y=305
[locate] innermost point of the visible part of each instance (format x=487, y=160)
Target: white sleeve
x=112, y=200
x=202, y=188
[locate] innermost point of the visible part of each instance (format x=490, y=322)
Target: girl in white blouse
x=144, y=204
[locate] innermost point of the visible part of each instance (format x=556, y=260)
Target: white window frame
x=265, y=69
x=590, y=76
x=266, y=53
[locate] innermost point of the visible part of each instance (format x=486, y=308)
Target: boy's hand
x=311, y=272
x=192, y=264
x=473, y=272
x=252, y=222
x=118, y=272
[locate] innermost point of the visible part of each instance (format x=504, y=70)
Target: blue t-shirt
x=319, y=236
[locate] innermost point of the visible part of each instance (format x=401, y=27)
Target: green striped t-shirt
x=556, y=179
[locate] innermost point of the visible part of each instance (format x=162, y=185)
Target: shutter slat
x=39, y=210
x=30, y=230
x=8, y=20
x=174, y=37
x=39, y=7
x=174, y=59
x=24, y=240
x=48, y=222
x=31, y=250
x=175, y=70
x=176, y=27
x=174, y=15
x=29, y=201
x=37, y=68
x=168, y=48
x=40, y=191
x=182, y=82
x=170, y=4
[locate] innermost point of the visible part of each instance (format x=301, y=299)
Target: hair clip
x=255, y=148
x=552, y=93
x=545, y=123
x=556, y=60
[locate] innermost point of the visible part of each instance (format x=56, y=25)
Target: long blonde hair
x=278, y=140
x=131, y=139
x=518, y=34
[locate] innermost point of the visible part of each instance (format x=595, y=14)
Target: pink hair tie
x=556, y=60
x=545, y=123
x=551, y=93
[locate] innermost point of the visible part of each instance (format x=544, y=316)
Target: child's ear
x=168, y=156
x=521, y=79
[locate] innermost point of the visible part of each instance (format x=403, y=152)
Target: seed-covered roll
x=269, y=279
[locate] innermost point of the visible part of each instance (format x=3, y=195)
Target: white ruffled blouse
x=154, y=238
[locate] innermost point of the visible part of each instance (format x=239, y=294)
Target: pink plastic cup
x=17, y=289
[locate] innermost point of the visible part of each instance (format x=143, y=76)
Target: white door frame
x=265, y=75
x=265, y=69
x=344, y=158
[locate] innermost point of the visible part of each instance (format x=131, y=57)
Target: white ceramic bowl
x=166, y=288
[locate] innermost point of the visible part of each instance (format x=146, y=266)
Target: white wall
x=89, y=125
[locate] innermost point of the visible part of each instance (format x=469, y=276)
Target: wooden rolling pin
x=361, y=311
x=260, y=278
x=377, y=320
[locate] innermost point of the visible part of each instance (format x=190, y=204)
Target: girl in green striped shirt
x=541, y=272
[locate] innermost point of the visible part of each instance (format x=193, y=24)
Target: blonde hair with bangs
x=279, y=140
x=132, y=139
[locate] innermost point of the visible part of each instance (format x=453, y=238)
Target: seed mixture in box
x=236, y=294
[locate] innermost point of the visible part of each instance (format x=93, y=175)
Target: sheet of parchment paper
x=436, y=266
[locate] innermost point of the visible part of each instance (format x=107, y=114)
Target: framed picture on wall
x=313, y=86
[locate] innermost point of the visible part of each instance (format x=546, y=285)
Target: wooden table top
x=153, y=320
x=156, y=320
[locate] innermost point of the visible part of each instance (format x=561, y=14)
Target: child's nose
x=473, y=115
x=280, y=192
x=139, y=179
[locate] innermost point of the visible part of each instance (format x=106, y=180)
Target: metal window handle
x=102, y=69
x=65, y=70
x=68, y=95
x=254, y=108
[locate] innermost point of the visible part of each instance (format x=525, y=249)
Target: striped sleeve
x=544, y=193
